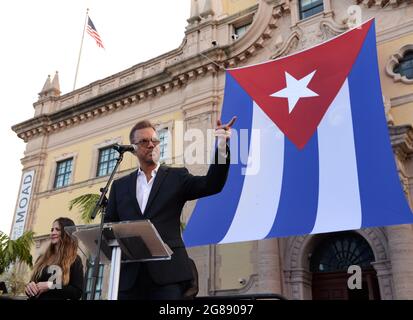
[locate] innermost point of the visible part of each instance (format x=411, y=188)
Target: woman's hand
x=42, y=287
x=31, y=289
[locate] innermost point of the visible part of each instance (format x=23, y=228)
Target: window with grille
x=63, y=173
x=107, y=161
x=239, y=31
x=309, y=8
x=163, y=145
x=337, y=253
x=405, y=65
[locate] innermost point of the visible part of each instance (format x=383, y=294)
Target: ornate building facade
x=68, y=137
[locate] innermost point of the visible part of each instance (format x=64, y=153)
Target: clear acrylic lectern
x=122, y=242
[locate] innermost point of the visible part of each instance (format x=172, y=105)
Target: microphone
x=125, y=148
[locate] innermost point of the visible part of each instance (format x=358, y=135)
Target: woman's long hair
x=62, y=255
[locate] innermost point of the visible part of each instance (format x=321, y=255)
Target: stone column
x=269, y=272
x=299, y=282
x=400, y=240
x=201, y=257
x=385, y=279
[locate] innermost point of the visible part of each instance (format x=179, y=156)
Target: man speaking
x=158, y=193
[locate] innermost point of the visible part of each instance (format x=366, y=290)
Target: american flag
x=94, y=33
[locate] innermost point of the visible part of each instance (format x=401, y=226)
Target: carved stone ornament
x=394, y=61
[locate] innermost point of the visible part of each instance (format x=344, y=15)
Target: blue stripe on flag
x=213, y=215
x=299, y=194
x=382, y=199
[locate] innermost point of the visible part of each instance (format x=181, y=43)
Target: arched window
x=405, y=65
x=337, y=253
x=309, y=8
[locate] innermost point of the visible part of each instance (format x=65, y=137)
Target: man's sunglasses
x=145, y=142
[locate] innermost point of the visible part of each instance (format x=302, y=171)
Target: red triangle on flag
x=296, y=91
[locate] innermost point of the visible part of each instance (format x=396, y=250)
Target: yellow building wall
x=52, y=207
x=55, y=204
x=401, y=114
x=84, y=153
x=235, y=264
x=234, y=6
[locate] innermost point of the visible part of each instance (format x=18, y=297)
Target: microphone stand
x=101, y=206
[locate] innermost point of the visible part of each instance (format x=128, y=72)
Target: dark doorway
x=329, y=264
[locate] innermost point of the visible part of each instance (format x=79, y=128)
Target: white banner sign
x=23, y=202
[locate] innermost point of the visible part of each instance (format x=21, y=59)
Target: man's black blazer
x=172, y=187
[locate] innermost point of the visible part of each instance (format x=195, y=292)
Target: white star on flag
x=295, y=90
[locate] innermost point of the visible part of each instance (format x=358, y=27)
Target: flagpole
x=80, y=51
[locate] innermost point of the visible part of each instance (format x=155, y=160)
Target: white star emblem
x=295, y=90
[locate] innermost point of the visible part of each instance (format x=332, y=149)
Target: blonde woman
x=58, y=273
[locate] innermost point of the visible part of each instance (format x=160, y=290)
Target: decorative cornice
x=227, y=20
x=106, y=103
x=401, y=100
x=35, y=158
x=284, y=47
x=41, y=238
x=402, y=140
x=38, y=240
x=329, y=26
x=381, y=3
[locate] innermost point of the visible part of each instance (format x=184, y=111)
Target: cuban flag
x=316, y=121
